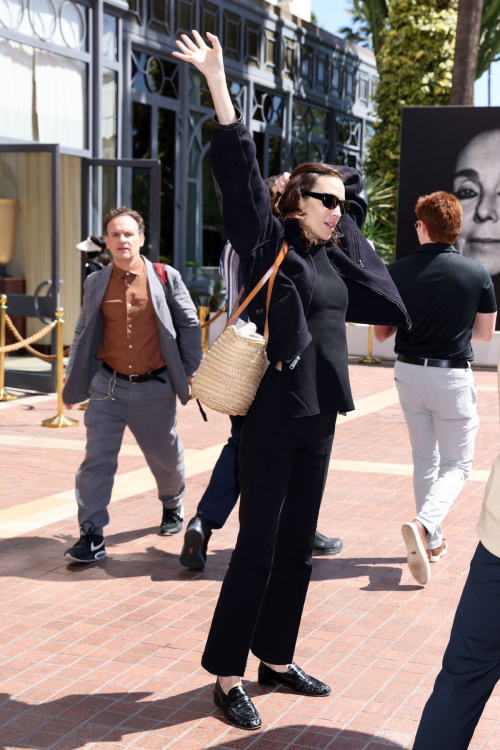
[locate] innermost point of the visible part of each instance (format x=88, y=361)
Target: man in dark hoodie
x=370, y=288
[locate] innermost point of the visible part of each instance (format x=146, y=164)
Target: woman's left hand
x=208, y=60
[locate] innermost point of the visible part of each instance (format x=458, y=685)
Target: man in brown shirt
x=146, y=344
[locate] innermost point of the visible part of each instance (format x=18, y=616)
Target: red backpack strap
x=160, y=270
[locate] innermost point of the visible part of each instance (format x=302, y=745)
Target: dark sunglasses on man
x=331, y=201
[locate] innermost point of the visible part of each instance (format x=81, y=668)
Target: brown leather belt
x=461, y=364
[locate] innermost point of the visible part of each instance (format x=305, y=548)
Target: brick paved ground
x=108, y=657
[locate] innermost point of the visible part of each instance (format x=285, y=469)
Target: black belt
x=151, y=375
x=461, y=364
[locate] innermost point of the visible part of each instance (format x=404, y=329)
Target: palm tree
x=466, y=51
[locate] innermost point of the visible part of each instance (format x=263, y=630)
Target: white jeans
x=439, y=405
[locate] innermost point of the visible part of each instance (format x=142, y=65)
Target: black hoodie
x=257, y=236
x=372, y=292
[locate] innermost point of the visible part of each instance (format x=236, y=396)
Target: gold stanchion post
x=4, y=395
x=369, y=360
x=60, y=420
x=203, y=315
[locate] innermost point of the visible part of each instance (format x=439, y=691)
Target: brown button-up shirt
x=130, y=342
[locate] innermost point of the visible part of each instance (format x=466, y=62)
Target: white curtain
x=60, y=99
x=16, y=91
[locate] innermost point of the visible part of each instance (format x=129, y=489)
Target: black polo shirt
x=442, y=291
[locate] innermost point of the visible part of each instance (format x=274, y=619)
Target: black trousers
x=283, y=470
x=471, y=663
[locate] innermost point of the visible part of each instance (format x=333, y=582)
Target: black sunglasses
x=331, y=201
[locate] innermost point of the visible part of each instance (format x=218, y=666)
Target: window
x=184, y=15
x=231, y=43
x=307, y=66
x=43, y=96
x=321, y=71
x=159, y=15
x=363, y=88
x=209, y=18
x=310, y=134
x=252, y=43
x=109, y=38
x=154, y=74
x=109, y=108
x=271, y=50
x=289, y=58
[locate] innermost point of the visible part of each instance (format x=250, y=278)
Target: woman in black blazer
x=288, y=433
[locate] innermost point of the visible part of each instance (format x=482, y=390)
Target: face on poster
x=476, y=183
x=456, y=149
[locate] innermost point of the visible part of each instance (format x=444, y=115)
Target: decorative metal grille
x=154, y=74
x=267, y=107
x=60, y=22
x=348, y=132
x=310, y=134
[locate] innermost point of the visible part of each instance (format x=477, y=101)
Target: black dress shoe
x=237, y=707
x=196, y=538
x=296, y=679
x=326, y=545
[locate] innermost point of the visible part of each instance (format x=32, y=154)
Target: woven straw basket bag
x=230, y=373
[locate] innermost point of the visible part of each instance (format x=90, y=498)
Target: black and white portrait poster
x=456, y=149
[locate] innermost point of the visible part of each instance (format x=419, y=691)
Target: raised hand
x=281, y=183
x=208, y=60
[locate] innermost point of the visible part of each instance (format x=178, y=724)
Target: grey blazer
x=180, y=340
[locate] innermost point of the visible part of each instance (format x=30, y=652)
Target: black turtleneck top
x=319, y=382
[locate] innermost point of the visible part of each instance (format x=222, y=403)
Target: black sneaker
x=327, y=545
x=171, y=522
x=89, y=548
x=196, y=538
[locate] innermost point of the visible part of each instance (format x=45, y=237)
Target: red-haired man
x=450, y=299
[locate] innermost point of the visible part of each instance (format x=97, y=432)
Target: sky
x=332, y=15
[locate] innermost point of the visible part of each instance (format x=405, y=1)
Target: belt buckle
x=132, y=381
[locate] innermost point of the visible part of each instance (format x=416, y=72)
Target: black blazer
x=257, y=236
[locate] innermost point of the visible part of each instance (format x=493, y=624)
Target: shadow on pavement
x=112, y=717
x=38, y=557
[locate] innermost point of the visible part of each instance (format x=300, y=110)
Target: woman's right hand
x=208, y=60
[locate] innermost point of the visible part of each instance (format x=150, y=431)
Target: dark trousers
x=283, y=469
x=471, y=663
x=223, y=490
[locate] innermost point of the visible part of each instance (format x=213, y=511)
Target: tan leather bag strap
x=270, y=274
x=235, y=306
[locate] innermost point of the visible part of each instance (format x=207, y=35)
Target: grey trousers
x=439, y=405
x=149, y=410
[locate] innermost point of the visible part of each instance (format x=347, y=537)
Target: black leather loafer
x=196, y=538
x=237, y=707
x=327, y=545
x=295, y=679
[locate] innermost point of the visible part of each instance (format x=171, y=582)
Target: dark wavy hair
x=302, y=180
